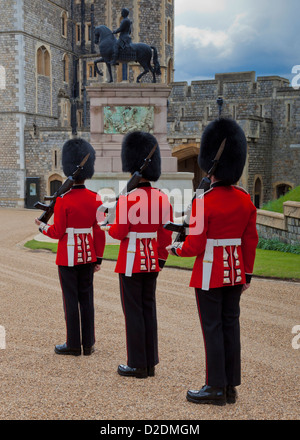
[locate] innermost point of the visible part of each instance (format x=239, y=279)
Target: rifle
x=204, y=185
x=65, y=187
x=131, y=185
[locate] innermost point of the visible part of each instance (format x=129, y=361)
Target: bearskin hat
x=232, y=162
x=73, y=152
x=135, y=148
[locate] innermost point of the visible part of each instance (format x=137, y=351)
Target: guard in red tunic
x=140, y=217
x=223, y=237
x=80, y=249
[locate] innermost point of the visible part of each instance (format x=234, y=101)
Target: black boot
x=64, y=349
x=208, y=395
x=151, y=371
x=139, y=373
x=231, y=394
x=87, y=351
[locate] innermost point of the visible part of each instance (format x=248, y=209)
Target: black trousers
x=78, y=299
x=139, y=307
x=219, y=312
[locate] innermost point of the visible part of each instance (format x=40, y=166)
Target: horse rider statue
x=113, y=50
x=124, y=40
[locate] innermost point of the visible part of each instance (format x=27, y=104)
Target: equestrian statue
x=123, y=50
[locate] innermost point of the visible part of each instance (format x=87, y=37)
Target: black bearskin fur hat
x=232, y=162
x=73, y=152
x=135, y=148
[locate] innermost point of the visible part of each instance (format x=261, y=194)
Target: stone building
x=268, y=110
x=47, y=54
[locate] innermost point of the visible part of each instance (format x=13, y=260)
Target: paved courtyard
x=37, y=384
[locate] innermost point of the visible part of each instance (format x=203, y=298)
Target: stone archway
x=54, y=182
x=258, y=192
x=187, y=157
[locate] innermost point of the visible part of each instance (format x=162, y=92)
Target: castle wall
x=35, y=115
x=282, y=227
x=260, y=105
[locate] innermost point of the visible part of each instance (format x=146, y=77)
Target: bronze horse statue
x=139, y=52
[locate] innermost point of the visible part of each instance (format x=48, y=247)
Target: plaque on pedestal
x=115, y=110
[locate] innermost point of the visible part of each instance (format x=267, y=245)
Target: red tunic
x=77, y=209
x=227, y=214
x=143, y=210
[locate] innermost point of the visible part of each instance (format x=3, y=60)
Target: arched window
x=282, y=189
x=64, y=24
x=169, y=32
x=43, y=61
x=257, y=193
x=66, y=68
x=54, y=183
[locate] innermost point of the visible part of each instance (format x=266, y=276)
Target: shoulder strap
x=240, y=189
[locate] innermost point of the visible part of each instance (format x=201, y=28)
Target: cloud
x=258, y=35
x=211, y=49
x=199, y=38
x=199, y=6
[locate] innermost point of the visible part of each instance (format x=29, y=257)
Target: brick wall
x=283, y=227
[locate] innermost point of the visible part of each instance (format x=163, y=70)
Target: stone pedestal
x=116, y=109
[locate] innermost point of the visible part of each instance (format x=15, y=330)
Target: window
x=79, y=118
x=288, y=113
x=78, y=33
x=257, y=193
x=66, y=68
x=64, y=24
x=282, y=189
x=88, y=32
x=234, y=111
x=55, y=159
x=169, y=32
x=43, y=61
x=90, y=71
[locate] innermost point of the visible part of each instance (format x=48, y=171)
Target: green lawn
x=277, y=264
x=273, y=264
x=277, y=205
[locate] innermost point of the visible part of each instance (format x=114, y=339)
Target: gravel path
x=37, y=384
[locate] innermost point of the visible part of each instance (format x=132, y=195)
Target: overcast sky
x=217, y=36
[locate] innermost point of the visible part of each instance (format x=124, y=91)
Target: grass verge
x=277, y=205
x=269, y=264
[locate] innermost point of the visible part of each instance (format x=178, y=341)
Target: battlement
x=232, y=85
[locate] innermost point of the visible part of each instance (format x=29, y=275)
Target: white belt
x=71, y=241
x=133, y=236
x=209, y=257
